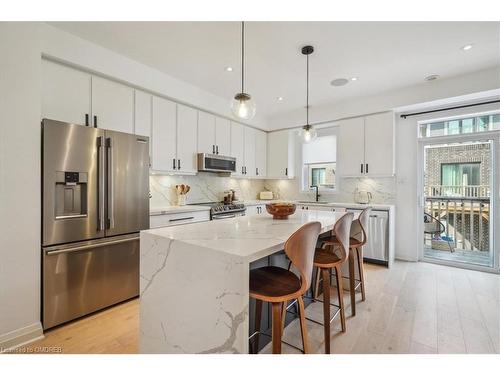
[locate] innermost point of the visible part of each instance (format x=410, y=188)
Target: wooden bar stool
x=357, y=239
x=326, y=259
x=278, y=285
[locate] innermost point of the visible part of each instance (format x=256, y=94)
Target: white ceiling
x=383, y=55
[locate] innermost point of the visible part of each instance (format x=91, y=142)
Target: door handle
x=90, y=246
x=286, y=171
x=361, y=167
x=256, y=171
x=179, y=164
x=182, y=218
x=86, y=119
x=95, y=121
x=111, y=198
x=213, y=149
x=100, y=183
x=366, y=167
x=173, y=162
x=217, y=150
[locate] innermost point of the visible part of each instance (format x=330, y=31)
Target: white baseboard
x=21, y=336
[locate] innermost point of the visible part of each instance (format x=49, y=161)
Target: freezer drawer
x=87, y=276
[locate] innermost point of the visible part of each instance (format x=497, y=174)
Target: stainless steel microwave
x=216, y=163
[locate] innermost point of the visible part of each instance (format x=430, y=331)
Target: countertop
x=375, y=206
x=247, y=237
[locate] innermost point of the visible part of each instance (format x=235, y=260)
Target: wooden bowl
x=280, y=211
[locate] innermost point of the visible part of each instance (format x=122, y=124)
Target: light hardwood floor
x=411, y=308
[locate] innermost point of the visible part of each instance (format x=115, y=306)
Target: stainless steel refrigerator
x=95, y=200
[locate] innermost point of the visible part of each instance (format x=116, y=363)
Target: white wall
x=20, y=86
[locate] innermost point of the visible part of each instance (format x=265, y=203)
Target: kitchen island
x=194, y=280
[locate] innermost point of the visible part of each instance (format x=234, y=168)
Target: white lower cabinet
x=168, y=220
x=256, y=210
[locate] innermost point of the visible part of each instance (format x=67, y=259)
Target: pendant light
x=308, y=133
x=242, y=105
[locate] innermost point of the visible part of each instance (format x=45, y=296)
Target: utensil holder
x=181, y=200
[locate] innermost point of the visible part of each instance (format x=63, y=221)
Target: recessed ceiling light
x=432, y=77
x=279, y=98
x=228, y=69
x=466, y=47
x=354, y=78
x=339, y=82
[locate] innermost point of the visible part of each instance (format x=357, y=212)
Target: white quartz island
x=194, y=280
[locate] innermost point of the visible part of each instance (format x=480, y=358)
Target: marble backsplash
x=383, y=190
x=205, y=187
x=208, y=187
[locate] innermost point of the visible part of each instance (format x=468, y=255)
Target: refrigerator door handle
x=100, y=182
x=111, y=207
x=89, y=246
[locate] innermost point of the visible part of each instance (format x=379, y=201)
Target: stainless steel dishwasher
x=376, y=249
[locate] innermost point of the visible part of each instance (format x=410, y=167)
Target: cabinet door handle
x=181, y=218
x=286, y=171
x=361, y=168
x=86, y=119
x=178, y=164
x=213, y=149
x=173, y=162
x=242, y=170
x=366, y=168
x=95, y=121
x=256, y=171
x=217, y=150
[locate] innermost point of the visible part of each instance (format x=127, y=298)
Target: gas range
x=220, y=210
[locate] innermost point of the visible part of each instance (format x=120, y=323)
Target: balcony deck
x=480, y=258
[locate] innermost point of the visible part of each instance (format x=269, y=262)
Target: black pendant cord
x=243, y=56
x=307, y=91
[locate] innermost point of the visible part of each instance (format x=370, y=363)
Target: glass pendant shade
x=243, y=106
x=308, y=134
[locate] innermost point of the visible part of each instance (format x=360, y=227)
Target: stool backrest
x=342, y=230
x=364, y=218
x=300, y=248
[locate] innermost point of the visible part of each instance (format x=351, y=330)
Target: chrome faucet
x=317, y=192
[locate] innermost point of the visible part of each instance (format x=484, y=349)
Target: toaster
x=266, y=195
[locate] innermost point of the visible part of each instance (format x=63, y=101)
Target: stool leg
x=316, y=284
x=303, y=326
x=276, y=327
x=283, y=317
x=258, y=318
x=352, y=282
x=326, y=308
x=361, y=269
x=340, y=291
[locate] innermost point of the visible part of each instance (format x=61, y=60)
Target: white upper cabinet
x=206, y=133
x=187, y=127
x=112, y=105
x=249, y=152
x=379, y=144
x=366, y=146
x=350, y=147
x=222, y=136
x=143, y=108
x=280, y=154
x=164, y=135
x=65, y=93
x=261, y=153
x=237, y=146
